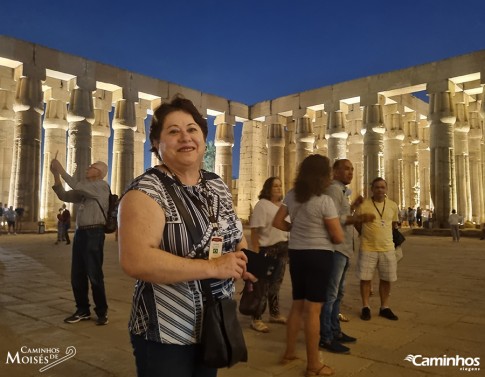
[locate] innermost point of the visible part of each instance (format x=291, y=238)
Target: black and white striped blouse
x=172, y=313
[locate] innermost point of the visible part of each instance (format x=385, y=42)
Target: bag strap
x=99, y=204
x=194, y=232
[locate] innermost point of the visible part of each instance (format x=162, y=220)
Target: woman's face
x=181, y=142
x=276, y=189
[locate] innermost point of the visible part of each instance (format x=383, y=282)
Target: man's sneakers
x=383, y=312
x=387, y=313
x=344, y=338
x=102, y=320
x=365, y=315
x=78, y=316
x=334, y=346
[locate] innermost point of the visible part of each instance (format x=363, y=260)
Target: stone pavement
x=438, y=297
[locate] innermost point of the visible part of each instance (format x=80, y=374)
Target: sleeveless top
x=172, y=313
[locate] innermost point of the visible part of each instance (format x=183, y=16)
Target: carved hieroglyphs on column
x=337, y=135
x=25, y=176
x=304, y=136
x=7, y=126
x=393, y=151
x=411, y=178
x=101, y=129
x=224, y=141
x=275, y=142
x=442, y=174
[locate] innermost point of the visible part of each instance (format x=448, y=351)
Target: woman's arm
x=334, y=230
x=141, y=223
x=279, y=221
x=255, y=239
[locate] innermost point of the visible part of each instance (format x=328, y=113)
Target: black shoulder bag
x=222, y=340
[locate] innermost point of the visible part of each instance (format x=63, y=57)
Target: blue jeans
x=87, y=266
x=329, y=322
x=167, y=360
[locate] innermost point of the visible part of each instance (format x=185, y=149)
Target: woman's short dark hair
x=313, y=177
x=178, y=103
x=267, y=186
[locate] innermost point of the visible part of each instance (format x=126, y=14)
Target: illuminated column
x=25, y=173
x=290, y=155
x=304, y=135
x=356, y=149
x=462, y=169
x=55, y=128
x=320, y=127
x=224, y=141
x=101, y=130
x=140, y=136
x=423, y=163
x=410, y=168
x=373, y=129
x=442, y=170
x=476, y=173
x=337, y=139
x=7, y=126
x=122, y=163
x=276, y=146
x=252, y=167
x=481, y=111
x=80, y=116
x=393, y=153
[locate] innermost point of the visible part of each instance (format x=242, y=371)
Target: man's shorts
x=385, y=262
x=310, y=271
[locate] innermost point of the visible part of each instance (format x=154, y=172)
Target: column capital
x=275, y=119
x=440, y=86
x=300, y=113
x=225, y=118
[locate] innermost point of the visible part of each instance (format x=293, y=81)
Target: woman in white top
x=270, y=240
x=314, y=228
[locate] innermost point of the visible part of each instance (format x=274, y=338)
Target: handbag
x=222, y=341
x=397, y=237
x=251, y=297
x=262, y=264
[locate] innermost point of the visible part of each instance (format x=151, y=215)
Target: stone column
x=80, y=116
x=373, y=131
x=304, y=136
x=55, y=127
x=7, y=126
x=291, y=168
x=337, y=139
x=442, y=170
x=423, y=163
x=275, y=142
x=224, y=141
x=481, y=111
x=101, y=130
x=411, y=185
x=356, y=149
x=393, y=153
x=476, y=173
x=252, y=167
x=25, y=173
x=462, y=169
x=320, y=126
x=123, y=161
x=140, y=136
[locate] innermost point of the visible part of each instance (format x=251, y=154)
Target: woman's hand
x=229, y=265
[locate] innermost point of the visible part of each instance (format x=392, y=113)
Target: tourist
x=455, y=220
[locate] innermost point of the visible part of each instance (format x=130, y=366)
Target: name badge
x=215, y=248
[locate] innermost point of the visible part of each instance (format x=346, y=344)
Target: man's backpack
x=111, y=220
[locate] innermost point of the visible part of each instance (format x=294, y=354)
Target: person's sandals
x=258, y=325
x=278, y=319
x=325, y=370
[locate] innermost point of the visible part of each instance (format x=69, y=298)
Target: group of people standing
x=11, y=219
x=178, y=231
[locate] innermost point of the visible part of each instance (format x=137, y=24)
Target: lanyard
x=377, y=209
x=209, y=210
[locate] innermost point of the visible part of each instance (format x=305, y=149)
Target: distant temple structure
x=431, y=154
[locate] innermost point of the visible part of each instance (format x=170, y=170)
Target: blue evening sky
x=250, y=50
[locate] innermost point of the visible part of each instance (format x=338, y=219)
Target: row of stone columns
x=436, y=162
